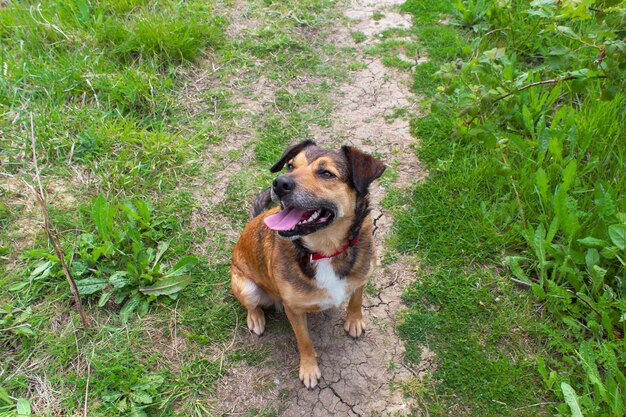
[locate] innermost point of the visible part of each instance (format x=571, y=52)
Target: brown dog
x=313, y=252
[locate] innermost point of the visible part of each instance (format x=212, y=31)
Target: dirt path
x=359, y=377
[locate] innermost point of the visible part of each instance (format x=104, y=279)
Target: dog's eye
x=289, y=166
x=326, y=174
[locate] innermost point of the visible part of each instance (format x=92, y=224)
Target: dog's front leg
x=309, y=371
x=355, y=324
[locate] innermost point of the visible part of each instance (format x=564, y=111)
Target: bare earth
x=361, y=377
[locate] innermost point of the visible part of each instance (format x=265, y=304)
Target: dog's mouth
x=292, y=221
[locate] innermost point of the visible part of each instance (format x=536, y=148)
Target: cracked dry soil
x=359, y=377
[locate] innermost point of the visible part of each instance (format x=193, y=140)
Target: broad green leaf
x=528, y=121
x=148, y=382
x=541, y=181
x=513, y=263
x=18, y=286
x=186, y=263
x=571, y=399
x=104, y=298
x=566, y=30
x=495, y=53
x=569, y=173
x=144, y=306
x=592, y=242
x=565, y=210
x=23, y=407
x=102, y=214
x=4, y=396
x=610, y=252
x=592, y=258
x=588, y=360
x=144, y=211
x=129, y=209
x=617, y=233
x=25, y=330
x=163, y=246
x=604, y=198
x=538, y=244
x=129, y=307
x=580, y=73
x=140, y=397
x=42, y=271
x=552, y=230
x=167, y=286
x=119, y=279
x=538, y=291
x=556, y=148
x=599, y=272
x=137, y=411
x=91, y=285
x=79, y=268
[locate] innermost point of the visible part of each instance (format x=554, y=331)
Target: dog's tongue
x=284, y=220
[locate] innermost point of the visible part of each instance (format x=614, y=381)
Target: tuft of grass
x=358, y=37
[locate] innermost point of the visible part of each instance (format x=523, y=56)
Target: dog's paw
x=310, y=375
x=354, y=326
x=256, y=321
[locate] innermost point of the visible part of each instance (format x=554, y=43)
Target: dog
x=315, y=250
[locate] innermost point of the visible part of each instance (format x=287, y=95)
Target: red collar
x=317, y=256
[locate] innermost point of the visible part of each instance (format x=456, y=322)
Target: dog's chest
x=336, y=288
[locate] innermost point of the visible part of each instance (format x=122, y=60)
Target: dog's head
x=319, y=187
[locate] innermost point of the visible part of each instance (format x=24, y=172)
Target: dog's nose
x=283, y=185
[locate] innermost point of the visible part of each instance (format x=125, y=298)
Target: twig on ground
x=523, y=284
x=85, y=413
x=534, y=405
x=53, y=236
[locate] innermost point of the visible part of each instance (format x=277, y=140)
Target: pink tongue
x=285, y=219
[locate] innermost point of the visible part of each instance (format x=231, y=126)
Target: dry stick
x=53, y=237
x=85, y=409
x=527, y=86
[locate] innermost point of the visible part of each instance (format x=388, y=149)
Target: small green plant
x=15, y=321
x=123, y=261
x=358, y=37
x=470, y=14
x=128, y=267
x=13, y=408
x=134, y=400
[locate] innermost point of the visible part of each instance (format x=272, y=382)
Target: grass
x=126, y=99
x=501, y=186
x=139, y=101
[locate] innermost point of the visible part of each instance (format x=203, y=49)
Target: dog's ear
x=289, y=153
x=364, y=168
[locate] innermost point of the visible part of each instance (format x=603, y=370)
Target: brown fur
x=280, y=268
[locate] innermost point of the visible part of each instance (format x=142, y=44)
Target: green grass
x=482, y=329
x=126, y=97
x=535, y=175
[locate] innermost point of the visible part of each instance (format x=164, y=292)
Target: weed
x=358, y=37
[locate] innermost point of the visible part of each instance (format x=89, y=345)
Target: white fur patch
x=255, y=294
x=327, y=279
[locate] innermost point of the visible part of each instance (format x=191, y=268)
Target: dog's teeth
x=315, y=215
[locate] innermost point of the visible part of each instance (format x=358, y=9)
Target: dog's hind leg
x=252, y=297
